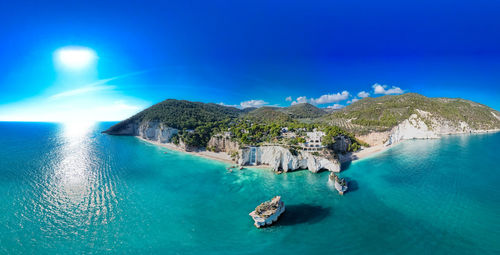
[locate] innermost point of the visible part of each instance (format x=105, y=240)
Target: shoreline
x=363, y=153
x=218, y=156
x=348, y=157
x=225, y=158
x=373, y=150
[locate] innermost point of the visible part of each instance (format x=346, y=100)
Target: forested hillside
x=268, y=114
x=383, y=113
x=304, y=110
x=182, y=114
x=256, y=125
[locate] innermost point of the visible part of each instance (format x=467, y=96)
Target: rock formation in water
x=268, y=212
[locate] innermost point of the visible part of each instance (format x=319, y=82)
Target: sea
x=68, y=189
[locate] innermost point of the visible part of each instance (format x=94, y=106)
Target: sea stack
x=268, y=212
x=339, y=183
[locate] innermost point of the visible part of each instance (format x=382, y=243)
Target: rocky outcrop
x=412, y=128
x=277, y=157
x=156, y=131
x=341, y=144
x=268, y=212
x=222, y=143
x=125, y=129
x=424, y=125
x=151, y=130
x=496, y=116
x=282, y=159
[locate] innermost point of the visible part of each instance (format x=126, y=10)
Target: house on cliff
x=313, y=141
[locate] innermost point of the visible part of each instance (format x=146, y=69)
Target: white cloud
x=331, y=98
x=363, y=94
x=382, y=89
x=246, y=104
x=253, y=103
x=354, y=100
x=324, y=99
x=230, y=105
x=289, y=99
x=300, y=100
x=336, y=106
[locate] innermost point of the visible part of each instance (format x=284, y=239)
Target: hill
x=304, y=110
x=430, y=116
x=268, y=114
x=181, y=114
x=383, y=113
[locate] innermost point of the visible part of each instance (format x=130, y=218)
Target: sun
x=75, y=57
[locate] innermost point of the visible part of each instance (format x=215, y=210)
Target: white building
x=313, y=141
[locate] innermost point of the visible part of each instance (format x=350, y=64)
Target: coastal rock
x=222, y=143
x=127, y=129
x=268, y=212
x=149, y=130
x=424, y=125
x=341, y=144
x=156, y=131
x=315, y=164
x=412, y=128
x=282, y=159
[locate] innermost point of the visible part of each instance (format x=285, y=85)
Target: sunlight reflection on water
x=76, y=187
x=73, y=172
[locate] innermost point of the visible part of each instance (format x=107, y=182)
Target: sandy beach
x=220, y=156
x=363, y=153
x=224, y=157
x=352, y=156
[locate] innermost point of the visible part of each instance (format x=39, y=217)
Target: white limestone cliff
x=221, y=143
x=424, y=125
x=412, y=128
x=155, y=131
x=151, y=130
x=279, y=158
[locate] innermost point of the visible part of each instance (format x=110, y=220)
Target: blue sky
x=245, y=53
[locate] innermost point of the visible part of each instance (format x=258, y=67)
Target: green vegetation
x=247, y=132
x=198, y=122
x=303, y=111
x=383, y=113
x=200, y=136
x=268, y=115
x=181, y=114
x=175, y=139
x=332, y=132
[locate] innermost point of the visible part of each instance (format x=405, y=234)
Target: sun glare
x=75, y=58
x=77, y=128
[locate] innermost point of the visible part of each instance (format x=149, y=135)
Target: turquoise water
x=70, y=189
